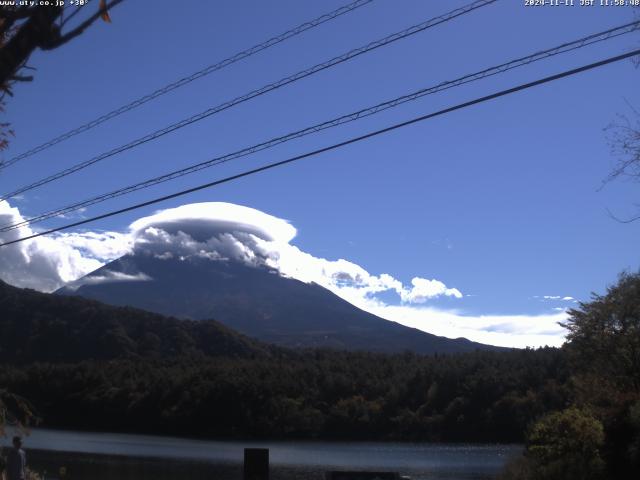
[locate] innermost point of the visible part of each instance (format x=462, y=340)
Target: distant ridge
x=40, y=327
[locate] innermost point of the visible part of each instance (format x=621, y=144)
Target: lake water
x=103, y=456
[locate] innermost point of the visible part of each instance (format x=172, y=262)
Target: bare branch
x=8, y=18
x=21, y=78
x=16, y=14
x=68, y=19
x=623, y=136
x=37, y=29
x=61, y=40
x=620, y=220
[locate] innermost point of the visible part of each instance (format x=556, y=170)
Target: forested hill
x=40, y=327
x=85, y=365
x=474, y=397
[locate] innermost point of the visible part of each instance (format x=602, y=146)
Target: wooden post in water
x=256, y=464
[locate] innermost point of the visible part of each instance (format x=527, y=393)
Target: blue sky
x=500, y=201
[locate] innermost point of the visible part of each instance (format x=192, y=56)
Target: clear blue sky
x=500, y=200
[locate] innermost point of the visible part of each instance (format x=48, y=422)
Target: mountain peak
x=254, y=300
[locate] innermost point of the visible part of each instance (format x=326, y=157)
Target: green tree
x=566, y=445
x=604, y=336
x=604, y=349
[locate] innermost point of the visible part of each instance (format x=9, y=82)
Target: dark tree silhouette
x=604, y=335
x=15, y=410
x=23, y=29
x=599, y=436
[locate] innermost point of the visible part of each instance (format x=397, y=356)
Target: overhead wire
x=338, y=145
x=188, y=79
x=256, y=93
x=362, y=113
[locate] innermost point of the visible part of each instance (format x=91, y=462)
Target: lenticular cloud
x=224, y=231
x=214, y=230
x=202, y=221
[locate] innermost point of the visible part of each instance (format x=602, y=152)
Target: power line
x=522, y=61
x=335, y=146
x=256, y=93
x=190, y=78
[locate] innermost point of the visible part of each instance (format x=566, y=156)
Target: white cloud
x=43, y=263
x=557, y=297
x=205, y=220
x=505, y=330
x=103, y=246
x=423, y=289
x=223, y=231
x=108, y=276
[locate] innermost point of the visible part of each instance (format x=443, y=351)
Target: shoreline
x=101, y=456
x=270, y=440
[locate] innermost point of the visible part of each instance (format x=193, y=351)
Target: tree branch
x=68, y=19
x=16, y=14
x=8, y=18
x=54, y=43
x=38, y=29
x=21, y=78
x=623, y=220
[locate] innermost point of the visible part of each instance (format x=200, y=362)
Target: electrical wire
x=504, y=67
x=188, y=79
x=256, y=93
x=335, y=146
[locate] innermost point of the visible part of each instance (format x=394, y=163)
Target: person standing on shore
x=16, y=461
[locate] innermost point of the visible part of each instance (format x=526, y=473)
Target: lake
x=103, y=456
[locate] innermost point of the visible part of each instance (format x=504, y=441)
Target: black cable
x=335, y=146
x=256, y=93
x=522, y=61
x=188, y=79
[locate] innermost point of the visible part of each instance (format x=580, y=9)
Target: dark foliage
x=599, y=436
x=90, y=366
x=604, y=354
x=488, y=396
x=40, y=327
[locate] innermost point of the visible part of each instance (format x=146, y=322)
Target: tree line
x=576, y=408
x=482, y=396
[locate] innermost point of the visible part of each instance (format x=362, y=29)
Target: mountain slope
x=255, y=301
x=43, y=327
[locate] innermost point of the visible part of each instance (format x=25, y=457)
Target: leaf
x=105, y=14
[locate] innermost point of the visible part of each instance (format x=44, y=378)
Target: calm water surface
x=102, y=456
